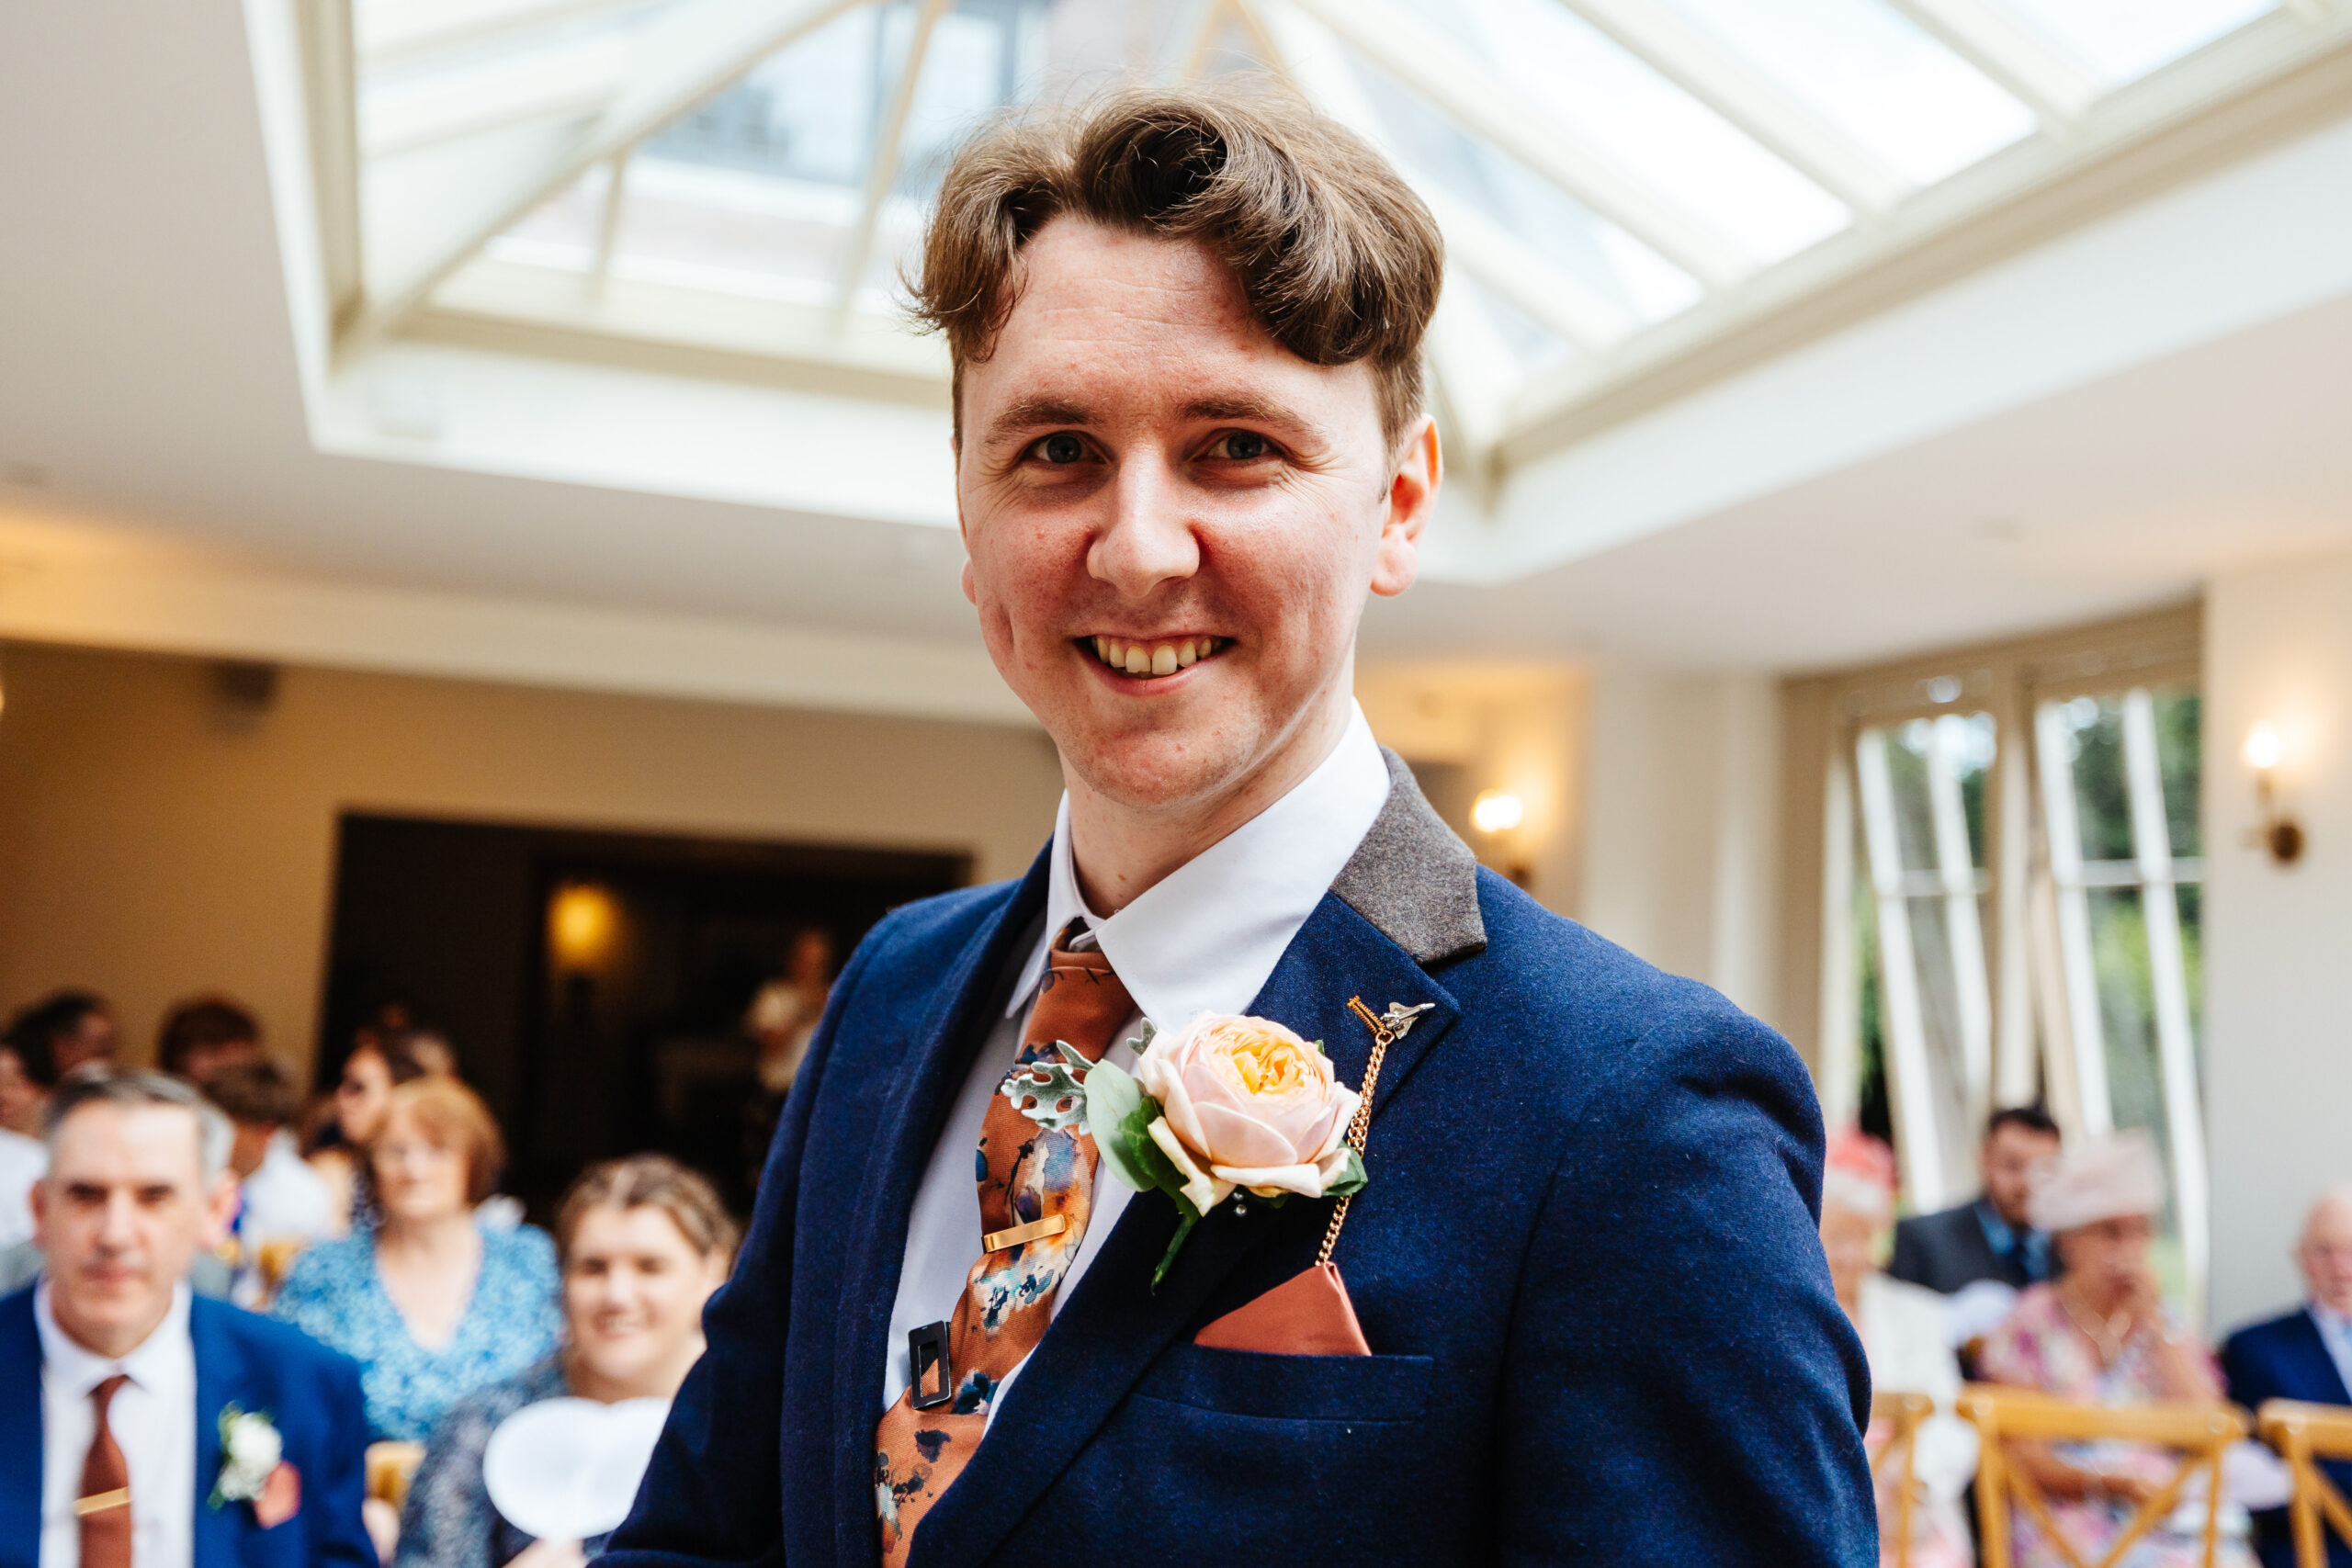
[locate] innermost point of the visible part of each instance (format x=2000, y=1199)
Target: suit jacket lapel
x=2310, y=1347
x=20, y=1431
x=921, y=1095
x=1113, y=1327
x=222, y=1378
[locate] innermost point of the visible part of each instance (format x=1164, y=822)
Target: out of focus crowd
x=2049, y=1282
x=146, y=1216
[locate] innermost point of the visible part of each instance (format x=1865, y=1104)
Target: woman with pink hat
x=2100, y=1333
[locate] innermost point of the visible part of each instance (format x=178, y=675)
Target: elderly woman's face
x=417, y=1176
x=2106, y=1256
x=1850, y=1242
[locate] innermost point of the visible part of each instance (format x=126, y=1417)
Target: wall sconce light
x=2280, y=833
x=582, y=922
x=1496, y=812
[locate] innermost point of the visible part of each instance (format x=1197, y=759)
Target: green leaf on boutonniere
x=1186, y=1218
x=1351, y=1179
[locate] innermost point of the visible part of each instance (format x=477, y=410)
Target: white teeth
x=1102, y=649
x=1163, y=659
x=1138, y=658
x=1155, y=660
x=1186, y=654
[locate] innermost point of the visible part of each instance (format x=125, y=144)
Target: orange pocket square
x=1308, y=1314
x=280, y=1499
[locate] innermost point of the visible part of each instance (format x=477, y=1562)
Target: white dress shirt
x=1204, y=939
x=152, y=1417
x=2336, y=1333
x=23, y=1161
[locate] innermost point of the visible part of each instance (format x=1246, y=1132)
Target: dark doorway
x=594, y=983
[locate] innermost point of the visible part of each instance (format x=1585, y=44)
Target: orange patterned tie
x=1037, y=1189
x=105, y=1503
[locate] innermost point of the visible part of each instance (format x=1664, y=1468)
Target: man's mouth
x=1155, y=660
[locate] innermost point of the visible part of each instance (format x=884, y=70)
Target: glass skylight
x=1601, y=166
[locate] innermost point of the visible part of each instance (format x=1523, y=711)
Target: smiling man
x=1576, y=1312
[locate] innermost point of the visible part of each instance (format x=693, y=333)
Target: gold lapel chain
x=1384, y=1031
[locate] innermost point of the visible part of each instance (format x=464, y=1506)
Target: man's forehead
x=124, y=1143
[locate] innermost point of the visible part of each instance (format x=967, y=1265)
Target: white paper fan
x=568, y=1469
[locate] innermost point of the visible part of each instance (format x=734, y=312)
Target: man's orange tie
x=1037, y=1189
x=105, y=1501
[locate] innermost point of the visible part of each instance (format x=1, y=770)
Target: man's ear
x=39, y=1197
x=1412, y=496
x=219, y=1210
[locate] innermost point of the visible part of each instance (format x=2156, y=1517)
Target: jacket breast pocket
x=1351, y=1389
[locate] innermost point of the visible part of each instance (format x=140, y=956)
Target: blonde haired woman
x=643, y=1243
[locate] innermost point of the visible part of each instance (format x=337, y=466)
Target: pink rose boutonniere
x=1230, y=1104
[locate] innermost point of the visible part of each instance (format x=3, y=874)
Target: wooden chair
x=390, y=1468
x=2199, y=1433
x=1901, y=1414
x=2303, y=1435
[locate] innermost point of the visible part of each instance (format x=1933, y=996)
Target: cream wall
x=153, y=843
x=1680, y=858
x=2277, y=1000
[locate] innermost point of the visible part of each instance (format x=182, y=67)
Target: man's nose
x=1148, y=538
x=115, y=1226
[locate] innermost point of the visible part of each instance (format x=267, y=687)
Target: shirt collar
x=1207, y=937
x=2332, y=1323
x=154, y=1364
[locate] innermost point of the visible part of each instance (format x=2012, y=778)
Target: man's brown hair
x=1338, y=260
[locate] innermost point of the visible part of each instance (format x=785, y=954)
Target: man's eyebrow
x=1028, y=414
x=1255, y=410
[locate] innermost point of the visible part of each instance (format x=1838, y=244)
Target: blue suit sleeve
x=1715, y=1417
x=714, y=1491
x=336, y=1482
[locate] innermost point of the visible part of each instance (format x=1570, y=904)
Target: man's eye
x=1241, y=446
x=1062, y=448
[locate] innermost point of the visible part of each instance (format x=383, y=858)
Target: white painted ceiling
x=152, y=416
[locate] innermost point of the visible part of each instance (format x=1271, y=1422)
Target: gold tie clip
x=1035, y=1230
x=99, y=1502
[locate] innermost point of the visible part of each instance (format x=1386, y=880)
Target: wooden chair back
x=2305, y=1435
x=390, y=1468
x=1901, y=1414
x=2201, y=1434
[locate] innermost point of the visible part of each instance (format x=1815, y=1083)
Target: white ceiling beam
x=395, y=32
x=1432, y=65
x=882, y=167
x=2021, y=59
x=694, y=51
x=1200, y=40
x=1749, y=99
x=1518, y=273
x=608, y=222
x=579, y=78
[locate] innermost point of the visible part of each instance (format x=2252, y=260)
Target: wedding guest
x=1992, y=1235
x=380, y=1062
x=2101, y=1335
x=785, y=1014
x=283, y=1204
x=81, y=1028
x=2305, y=1355
x=28, y=1071
x=1903, y=1335
x=201, y=1036
x=141, y=1425
x=643, y=1243
x=432, y=1304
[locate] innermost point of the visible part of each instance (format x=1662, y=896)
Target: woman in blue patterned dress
x=432, y=1304
x=644, y=1243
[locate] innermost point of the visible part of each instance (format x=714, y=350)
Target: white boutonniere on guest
x=253, y=1468
x=1231, y=1104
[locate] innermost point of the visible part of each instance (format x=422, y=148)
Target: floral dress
x=2039, y=1348
x=513, y=1320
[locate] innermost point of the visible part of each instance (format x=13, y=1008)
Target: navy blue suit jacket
x=310, y=1393
x=1587, y=1264
x=2286, y=1359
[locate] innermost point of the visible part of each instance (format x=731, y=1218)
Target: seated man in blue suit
x=1578, y=1311
x=139, y=1424
x=2305, y=1355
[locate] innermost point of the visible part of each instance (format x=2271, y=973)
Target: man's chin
x=1162, y=770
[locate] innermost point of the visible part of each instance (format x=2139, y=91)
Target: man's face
x=20, y=1098
x=204, y=1063
x=1172, y=519
x=2325, y=1255
x=121, y=1214
x=2014, y=1157
x=93, y=1040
